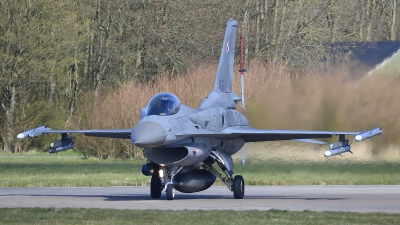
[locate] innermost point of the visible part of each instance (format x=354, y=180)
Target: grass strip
x=112, y=216
x=71, y=170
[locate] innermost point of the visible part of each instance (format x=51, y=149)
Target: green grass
x=72, y=170
x=111, y=216
x=68, y=170
x=320, y=173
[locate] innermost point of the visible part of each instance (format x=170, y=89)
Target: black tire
x=238, y=187
x=155, y=186
x=170, y=192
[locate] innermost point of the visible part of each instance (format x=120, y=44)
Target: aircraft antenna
x=242, y=70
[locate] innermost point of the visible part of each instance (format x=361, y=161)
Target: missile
x=33, y=133
x=23, y=135
x=338, y=151
x=368, y=134
x=61, y=148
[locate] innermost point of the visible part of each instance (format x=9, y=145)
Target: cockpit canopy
x=163, y=104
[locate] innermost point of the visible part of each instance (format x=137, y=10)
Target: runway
x=298, y=198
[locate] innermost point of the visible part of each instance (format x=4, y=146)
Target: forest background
x=94, y=64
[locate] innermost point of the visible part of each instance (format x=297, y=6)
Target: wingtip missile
x=33, y=133
x=22, y=136
x=368, y=134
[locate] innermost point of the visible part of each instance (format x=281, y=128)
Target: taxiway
x=315, y=198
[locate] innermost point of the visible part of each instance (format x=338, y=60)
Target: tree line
x=54, y=53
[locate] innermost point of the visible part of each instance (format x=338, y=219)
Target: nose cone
x=148, y=134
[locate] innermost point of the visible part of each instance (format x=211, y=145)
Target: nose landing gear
x=155, y=186
x=170, y=192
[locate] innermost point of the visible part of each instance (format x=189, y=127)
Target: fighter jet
x=184, y=146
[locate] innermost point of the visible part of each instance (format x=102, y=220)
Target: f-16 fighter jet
x=184, y=145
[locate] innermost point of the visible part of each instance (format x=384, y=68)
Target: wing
x=250, y=134
x=118, y=133
x=109, y=133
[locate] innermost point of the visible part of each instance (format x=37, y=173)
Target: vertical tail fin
x=223, y=81
x=222, y=95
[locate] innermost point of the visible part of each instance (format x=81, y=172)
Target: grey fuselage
x=182, y=136
x=181, y=139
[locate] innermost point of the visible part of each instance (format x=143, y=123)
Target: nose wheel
x=238, y=187
x=155, y=186
x=170, y=192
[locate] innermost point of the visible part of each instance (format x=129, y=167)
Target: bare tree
x=393, y=29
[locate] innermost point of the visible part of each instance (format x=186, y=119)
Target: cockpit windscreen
x=163, y=104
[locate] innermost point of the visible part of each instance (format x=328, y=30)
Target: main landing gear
x=162, y=177
x=158, y=184
x=235, y=184
x=238, y=187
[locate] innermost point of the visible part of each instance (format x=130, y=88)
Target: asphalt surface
x=298, y=198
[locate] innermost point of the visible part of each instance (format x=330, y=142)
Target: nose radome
x=148, y=134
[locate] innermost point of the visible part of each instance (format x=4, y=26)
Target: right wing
x=108, y=133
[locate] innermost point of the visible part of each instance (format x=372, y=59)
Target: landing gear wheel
x=155, y=186
x=170, y=192
x=238, y=187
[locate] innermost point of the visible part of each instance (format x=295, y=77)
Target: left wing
x=250, y=134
